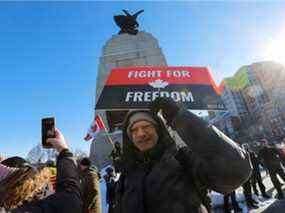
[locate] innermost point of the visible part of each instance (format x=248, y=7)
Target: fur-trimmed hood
x=131, y=155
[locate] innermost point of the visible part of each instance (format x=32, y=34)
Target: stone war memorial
x=133, y=73
x=129, y=48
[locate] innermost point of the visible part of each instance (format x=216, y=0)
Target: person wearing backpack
x=159, y=175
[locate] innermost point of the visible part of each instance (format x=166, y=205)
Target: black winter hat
x=15, y=161
x=85, y=162
x=109, y=170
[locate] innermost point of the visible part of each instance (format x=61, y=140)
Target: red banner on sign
x=169, y=75
x=137, y=87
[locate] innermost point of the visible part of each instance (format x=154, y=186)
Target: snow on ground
x=103, y=196
x=218, y=201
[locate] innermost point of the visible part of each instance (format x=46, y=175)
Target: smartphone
x=48, y=131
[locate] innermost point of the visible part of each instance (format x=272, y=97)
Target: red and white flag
x=95, y=127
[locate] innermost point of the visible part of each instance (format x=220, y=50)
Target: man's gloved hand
x=168, y=107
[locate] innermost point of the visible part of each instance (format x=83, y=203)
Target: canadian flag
x=95, y=127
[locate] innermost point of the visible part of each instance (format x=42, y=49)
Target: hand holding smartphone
x=48, y=131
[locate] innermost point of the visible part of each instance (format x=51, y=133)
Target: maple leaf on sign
x=158, y=83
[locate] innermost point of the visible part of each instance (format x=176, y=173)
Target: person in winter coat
x=116, y=156
x=67, y=197
x=234, y=203
x=110, y=186
x=158, y=177
x=250, y=202
x=256, y=176
x=90, y=188
x=270, y=158
x=281, y=151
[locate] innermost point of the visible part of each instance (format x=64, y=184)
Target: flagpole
x=109, y=138
x=102, y=125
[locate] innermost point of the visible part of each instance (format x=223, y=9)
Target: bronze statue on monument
x=128, y=23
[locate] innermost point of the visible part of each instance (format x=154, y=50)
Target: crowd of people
x=270, y=159
x=169, y=161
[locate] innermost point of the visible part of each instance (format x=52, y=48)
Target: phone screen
x=48, y=131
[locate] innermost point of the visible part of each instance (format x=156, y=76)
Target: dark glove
x=168, y=107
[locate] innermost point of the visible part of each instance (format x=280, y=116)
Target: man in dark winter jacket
x=250, y=202
x=256, y=176
x=270, y=158
x=233, y=201
x=67, y=197
x=110, y=189
x=157, y=178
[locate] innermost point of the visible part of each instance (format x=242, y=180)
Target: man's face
x=82, y=168
x=144, y=135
